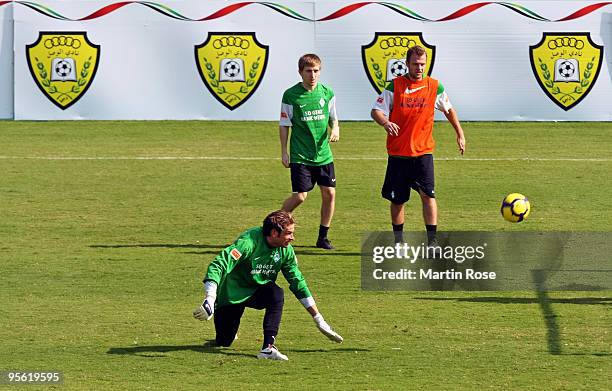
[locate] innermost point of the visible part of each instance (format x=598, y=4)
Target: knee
x=397, y=207
x=277, y=295
x=300, y=197
x=428, y=201
x=328, y=194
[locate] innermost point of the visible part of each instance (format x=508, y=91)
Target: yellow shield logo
x=63, y=65
x=566, y=66
x=384, y=58
x=231, y=66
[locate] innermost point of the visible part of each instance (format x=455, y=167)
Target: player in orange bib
x=405, y=109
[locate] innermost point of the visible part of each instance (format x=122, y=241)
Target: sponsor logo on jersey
x=63, y=65
x=236, y=254
x=409, y=91
x=231, y=66
x=566, y=66
x=384, y=58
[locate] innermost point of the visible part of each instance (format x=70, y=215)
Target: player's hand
x=285, y=159
x=335, y=134
x=326, y=329
x=206, y=310
x=391, y=128
x=461, y=144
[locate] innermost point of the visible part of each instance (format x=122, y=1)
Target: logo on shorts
x=231, y=66
x=566, y=66
x=235, y=254
x=384, y=58
x=63, y=65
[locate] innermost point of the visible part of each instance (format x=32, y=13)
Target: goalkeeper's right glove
x=206, y=310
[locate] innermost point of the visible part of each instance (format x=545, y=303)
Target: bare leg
x=328, y=202
x=294, y=201
x=397, y=213
x=430, y=209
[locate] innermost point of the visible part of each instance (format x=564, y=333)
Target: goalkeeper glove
x=326, y=329
x=206, y=310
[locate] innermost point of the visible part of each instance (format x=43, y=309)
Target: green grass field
x=107, y=229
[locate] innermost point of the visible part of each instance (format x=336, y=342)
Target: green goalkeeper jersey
x=308, y=113
x=250, y=263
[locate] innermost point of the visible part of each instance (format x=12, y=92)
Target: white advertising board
x=537, y=60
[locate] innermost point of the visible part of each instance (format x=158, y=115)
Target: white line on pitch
x=475, y=159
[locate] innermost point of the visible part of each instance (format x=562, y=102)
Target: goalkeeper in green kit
x=244, y=274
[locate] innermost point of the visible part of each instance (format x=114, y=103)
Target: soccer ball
x=515, y=208
x=398, y=68
x=566, y=69
x=231, y=69
x=63, y=68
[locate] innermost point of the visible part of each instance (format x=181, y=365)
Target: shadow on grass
x=157, y=351
x=218, y=247
x=336, y=350
x=526, y=300
x=159, y=245
x=553, y=335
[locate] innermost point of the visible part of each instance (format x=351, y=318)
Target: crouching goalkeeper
x=244, y=274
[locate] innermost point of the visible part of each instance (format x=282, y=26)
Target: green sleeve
x=285, y=99
x=225, y=262
x=440, y=88
x=293, y=275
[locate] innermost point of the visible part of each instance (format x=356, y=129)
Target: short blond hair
x=309, y=60
x=416, y=50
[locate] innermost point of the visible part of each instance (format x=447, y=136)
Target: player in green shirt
x=309, y=109
x=244, y=274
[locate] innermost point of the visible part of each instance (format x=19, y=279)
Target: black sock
x=323, y=231
x=398, y=232
x=268, y=340
x=431, y=232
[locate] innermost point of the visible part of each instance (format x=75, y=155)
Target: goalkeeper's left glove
x=326, y=329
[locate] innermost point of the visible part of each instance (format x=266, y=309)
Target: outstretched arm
x=322, y=325
x=451, y=116
x=297, y=285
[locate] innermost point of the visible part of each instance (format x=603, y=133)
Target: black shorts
x=227, y=318
x=303, y=177
x=406, y=173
